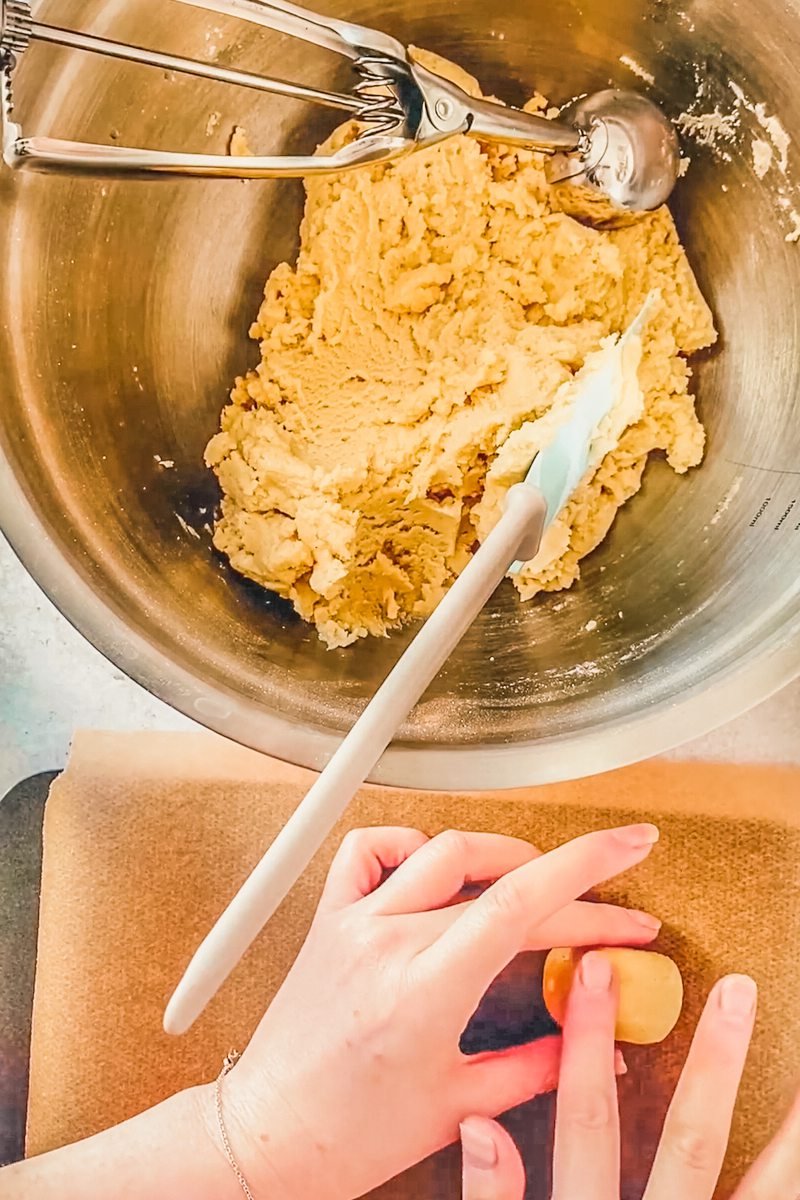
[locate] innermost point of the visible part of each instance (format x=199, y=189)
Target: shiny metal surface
x=386, y=100
x=123, y=315
x=633, y=155
x=616, y=143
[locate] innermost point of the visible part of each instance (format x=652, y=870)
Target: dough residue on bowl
x=438, y=306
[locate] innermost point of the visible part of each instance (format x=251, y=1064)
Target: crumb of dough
x=238, y=146
x=437, y=307
x=762, y=157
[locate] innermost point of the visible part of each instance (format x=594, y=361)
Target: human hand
x=587, y=1150
x=355, y=1072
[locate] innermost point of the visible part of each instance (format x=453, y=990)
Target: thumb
x=491, y=1165
x=500, y=1080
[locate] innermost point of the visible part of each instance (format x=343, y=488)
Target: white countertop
x=53, y=682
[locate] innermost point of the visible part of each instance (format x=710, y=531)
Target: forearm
x=168, y=1151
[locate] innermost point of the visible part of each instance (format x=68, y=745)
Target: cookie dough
x=650, y=991
x=439, y=309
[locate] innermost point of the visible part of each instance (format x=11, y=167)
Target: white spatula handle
x=516, y=536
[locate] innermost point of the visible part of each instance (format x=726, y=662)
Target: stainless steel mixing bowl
x=123, y=316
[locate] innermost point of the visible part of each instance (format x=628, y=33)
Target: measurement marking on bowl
x=787, y=512
x=782, y=519
x=759, y=514
x=769, y=470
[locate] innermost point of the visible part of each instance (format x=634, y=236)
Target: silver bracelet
x=230, y=1062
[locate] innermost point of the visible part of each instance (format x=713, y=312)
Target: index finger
x=433, y=876
x=492, y=931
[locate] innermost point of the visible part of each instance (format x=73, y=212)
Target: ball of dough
x=650, y=991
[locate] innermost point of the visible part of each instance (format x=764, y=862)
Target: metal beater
x=617, y=143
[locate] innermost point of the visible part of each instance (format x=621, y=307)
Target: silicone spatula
x=530, y=506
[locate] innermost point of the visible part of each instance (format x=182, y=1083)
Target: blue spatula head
x=599, y=387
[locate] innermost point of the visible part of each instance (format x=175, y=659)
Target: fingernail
x=596, y=974
x=652, y=924
x=638, y=836
x=737, y=996
x=620, y=1066
x=478, y=1147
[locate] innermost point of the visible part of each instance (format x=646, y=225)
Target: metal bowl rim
x=728, y=694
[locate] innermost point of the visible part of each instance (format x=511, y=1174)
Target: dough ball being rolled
x=650, y=991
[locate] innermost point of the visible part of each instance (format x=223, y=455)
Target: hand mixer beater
x=616, y=143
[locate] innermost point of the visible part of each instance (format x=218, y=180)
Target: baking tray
x=21, y=818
